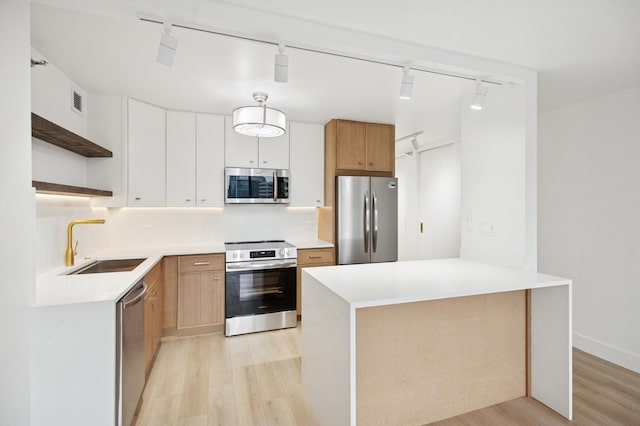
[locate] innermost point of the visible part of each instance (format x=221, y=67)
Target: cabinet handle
x=371, y=164
x=264, y=161
x=137, y=198
x=203, y=200
x=216, y=278
x=315, y=257
x=188, y=200
x=359, y=163
x=201, y=263
x=251, y=161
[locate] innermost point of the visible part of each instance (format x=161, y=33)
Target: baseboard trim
x=607, y=352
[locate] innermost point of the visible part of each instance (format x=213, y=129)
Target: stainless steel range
x=260, y=286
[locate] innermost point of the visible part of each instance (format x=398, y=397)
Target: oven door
x=260, y=288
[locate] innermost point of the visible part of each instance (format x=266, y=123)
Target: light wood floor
x=255, y=380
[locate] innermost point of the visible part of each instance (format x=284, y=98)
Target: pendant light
x=259, y=120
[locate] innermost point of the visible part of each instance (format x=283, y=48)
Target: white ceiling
x=581, y=49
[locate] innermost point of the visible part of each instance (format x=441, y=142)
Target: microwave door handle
x=275, y=186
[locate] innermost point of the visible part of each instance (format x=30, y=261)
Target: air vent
x=77, y=100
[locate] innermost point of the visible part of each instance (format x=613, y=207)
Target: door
x=440, y=193
x=353, y=219
x=239, y=150
x=384, y=219
x=146, y=155
x=351, y=145
x=380, y=147
x=181, y=159
x=273, y=153
x=210, y=160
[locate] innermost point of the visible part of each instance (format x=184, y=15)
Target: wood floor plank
x=256, y=380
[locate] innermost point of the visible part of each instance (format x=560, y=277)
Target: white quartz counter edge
x=310, y=244
x=416, y=281
x=54, y=288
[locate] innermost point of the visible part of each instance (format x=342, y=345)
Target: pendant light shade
x=259, y=120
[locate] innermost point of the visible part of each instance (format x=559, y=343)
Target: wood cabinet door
x=380, y=147
x=181, y=159
x=200, y=298
x=239, y=150
x=351, y=145
x=146, y=155
x=210, y=160
x=307, y=164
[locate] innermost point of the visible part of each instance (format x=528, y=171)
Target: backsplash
x=142, y=227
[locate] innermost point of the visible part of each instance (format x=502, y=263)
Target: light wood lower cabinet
x=153, y=307
x=309, y=258
x=200, y=291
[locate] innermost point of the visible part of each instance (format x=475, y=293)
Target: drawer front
x=153, y=275
x=315, y=256
x=201, y=262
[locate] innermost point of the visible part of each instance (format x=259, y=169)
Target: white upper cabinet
x=146, y=155
x=251, y=152
x=210, y=160
x=181, y=159
x=273, y=153
x=239, y=150
x=307, y=164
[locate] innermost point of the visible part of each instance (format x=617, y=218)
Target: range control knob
x=235, y=255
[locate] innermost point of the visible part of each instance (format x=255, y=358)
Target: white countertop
x=54, y=288
x=310, y=244
x=378, y=284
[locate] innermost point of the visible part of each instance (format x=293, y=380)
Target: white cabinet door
x=181, y=159
x=239, y=150
x=273, y=153
x=210, y=160
x=307, y=164
x=146, y=155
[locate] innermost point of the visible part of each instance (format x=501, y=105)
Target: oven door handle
x=242, y=266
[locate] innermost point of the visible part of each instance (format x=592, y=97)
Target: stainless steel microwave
x=251, y=186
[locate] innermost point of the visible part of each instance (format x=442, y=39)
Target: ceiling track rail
x=145, y=17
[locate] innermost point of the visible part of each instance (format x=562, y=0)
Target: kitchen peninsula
x=416, y=342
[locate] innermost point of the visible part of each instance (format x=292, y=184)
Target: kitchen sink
x=108, y=265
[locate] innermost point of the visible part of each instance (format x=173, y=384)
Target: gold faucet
x=70, y=252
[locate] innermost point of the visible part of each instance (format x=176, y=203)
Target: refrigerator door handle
x=367, y=221
x=374, y=207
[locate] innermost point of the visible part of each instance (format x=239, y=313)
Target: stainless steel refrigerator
x=366, y=219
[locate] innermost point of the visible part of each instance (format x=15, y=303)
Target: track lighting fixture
x=281, y=70
x=407, y=84
x=477, y=102
x=414, y=143
x=168, y=46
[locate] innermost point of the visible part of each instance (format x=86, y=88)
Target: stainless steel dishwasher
x=129, y=352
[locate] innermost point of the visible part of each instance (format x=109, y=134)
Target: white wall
x=17, y=224
x=494, y=189
x=51, y=99
x=141, y=227
x=589, y=218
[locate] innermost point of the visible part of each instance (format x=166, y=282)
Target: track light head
x=168, y=46
x=477, y=102
x=407, y=84
x=414, y=143
x=281, y=69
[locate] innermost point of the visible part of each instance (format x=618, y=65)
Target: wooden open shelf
x=47, y=131
x=56, y=188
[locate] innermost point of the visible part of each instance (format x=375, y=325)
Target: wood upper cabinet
x=308, y=258
x=200, y=290
x=365, y=147
x=146, y=155
x=380, y=152
x=351, y=145
x=153, y=311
